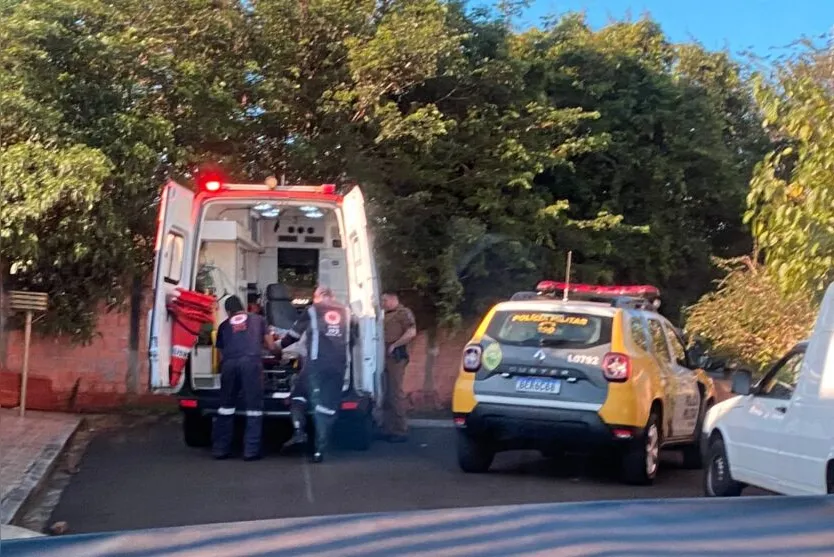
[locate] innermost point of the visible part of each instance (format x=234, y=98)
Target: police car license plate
x=538, y=385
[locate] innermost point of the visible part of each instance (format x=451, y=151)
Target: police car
x=580, y=367
x=275, y=242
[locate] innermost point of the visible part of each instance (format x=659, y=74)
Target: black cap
x=233, y=305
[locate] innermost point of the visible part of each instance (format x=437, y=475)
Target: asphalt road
x=146, y=477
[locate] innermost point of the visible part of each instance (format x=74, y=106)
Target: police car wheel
x=196, y=430
x=474, y=455
x=641, y=460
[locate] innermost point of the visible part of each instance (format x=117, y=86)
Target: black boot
x=298, y=438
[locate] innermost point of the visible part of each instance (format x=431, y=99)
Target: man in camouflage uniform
x=400, y=329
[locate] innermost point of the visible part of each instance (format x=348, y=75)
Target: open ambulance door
x=172, y=269
x=379, y=339
x=363, y=294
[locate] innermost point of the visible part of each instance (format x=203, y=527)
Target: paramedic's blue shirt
x=241, y=336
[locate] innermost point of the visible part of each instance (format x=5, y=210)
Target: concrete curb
x=36, y=477
x=421, y=423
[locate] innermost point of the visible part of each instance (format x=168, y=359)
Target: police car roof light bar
x=645, y=292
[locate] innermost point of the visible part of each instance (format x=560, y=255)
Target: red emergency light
x=328, y=188
x=210, y=180
x=637, y=291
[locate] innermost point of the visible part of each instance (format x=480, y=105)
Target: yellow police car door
x=687, y=397
x=660, y=348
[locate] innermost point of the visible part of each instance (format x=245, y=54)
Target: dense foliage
x=748, y=319
x=486, y=153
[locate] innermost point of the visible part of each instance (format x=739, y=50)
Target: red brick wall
x=445, y=369
x=66, y=376
x=100, y=369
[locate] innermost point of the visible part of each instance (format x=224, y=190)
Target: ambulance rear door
x=174, y=254
x=379, y=339
x=363, y=292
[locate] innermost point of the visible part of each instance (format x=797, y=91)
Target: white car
x=777, y=434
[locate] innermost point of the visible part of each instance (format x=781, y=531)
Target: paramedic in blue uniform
x=241, y=339
x=319, y=385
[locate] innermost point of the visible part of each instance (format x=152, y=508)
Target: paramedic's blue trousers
x=319, y=390
x=239, y=376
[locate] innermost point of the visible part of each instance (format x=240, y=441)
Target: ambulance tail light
x=616, y=367
x=472, y=358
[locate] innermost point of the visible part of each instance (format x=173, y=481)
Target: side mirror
x=714, y=364
x=742, y=382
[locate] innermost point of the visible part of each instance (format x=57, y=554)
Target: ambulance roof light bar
x=216, y=185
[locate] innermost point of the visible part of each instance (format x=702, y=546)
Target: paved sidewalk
x=29, y=449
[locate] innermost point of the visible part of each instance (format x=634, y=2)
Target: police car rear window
x=554, y=329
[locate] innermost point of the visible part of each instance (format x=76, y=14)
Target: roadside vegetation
x=487, y=152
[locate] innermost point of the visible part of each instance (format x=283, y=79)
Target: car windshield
x=557, y=329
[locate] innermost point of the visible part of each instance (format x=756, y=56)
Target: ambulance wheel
x=361, y=432
x=196, y=430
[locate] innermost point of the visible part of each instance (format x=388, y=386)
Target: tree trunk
x=133, y=336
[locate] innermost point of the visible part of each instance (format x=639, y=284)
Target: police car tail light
x=472, y=358
x=616, y=367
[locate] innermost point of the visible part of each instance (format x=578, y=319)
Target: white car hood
x=717, y=412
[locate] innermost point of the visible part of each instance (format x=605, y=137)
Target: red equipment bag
x=191, y=310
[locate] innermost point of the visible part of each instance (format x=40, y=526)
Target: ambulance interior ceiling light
x=263, y=207
x=311, y=211
x=272, y=213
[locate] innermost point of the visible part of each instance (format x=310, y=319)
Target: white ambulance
x=270, y=245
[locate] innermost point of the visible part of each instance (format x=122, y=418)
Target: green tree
x=684, y=137
x=792, y=193
x=121, y=95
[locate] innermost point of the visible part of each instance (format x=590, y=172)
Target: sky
x=738, y=25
